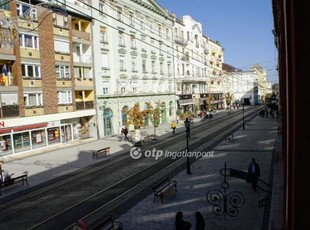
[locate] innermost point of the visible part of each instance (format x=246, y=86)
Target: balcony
x=6, y=80
x=81, y=35
x=7, y=111
x=185, y=58
x=180, y=40
x=84, y=105
x=82, y=58
x=9, y=52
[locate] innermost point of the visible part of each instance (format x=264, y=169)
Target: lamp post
x=188, y=129
x=243, y=116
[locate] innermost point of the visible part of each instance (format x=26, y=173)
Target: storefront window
x=38, y=138
x=5, y=145
x=21, y=141
x=53, y=135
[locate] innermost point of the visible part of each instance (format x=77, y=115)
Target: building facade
x=47, y=93
x=133, y=61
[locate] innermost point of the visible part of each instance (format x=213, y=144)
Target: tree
x=154, y=114
x=228, y=98
x=210, y=105
x=135, y=116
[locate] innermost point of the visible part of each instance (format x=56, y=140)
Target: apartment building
x=133, y=60
x=191, y=50
x=262, y=82
x=46, y=92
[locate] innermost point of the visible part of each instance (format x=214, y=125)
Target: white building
x=133, y=60
x=191, y=56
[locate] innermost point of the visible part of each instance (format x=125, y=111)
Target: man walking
x=253, y=173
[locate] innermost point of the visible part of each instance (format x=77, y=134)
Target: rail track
x=94, y=192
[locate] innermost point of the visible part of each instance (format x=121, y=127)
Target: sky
x=243, y=28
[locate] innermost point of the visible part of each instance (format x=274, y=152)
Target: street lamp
x=243, y=116
x=188, y=129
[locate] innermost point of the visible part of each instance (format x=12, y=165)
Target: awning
x=23, y=127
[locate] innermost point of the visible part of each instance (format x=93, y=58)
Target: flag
x=4, y=70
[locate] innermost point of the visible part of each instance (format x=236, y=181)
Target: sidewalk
x=49, y=163
x=255, y=141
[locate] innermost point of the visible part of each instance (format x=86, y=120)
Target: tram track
x=93, y=189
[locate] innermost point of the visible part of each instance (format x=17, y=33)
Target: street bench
x=163, y=187
x=239, y=174
x=101, y=152
x=148, y=138
x=248, y=122
x=14, y=180
x=109, y=223
x=229, y=136
x=138, y=143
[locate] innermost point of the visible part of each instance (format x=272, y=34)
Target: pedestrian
x=180, y=223
x=200, y=222
x=126, y=133
x=122, y=134
x=1, y=171
x=253, y=173
x=173, y=126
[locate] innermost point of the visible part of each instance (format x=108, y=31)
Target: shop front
x=30, y=137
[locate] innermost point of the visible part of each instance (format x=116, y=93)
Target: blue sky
x=243, y=27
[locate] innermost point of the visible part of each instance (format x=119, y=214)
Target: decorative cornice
x=122, y=51
x=134, y=53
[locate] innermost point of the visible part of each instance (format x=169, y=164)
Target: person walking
x=125, y=131
x=180, y=223
x=253, y=173
x=200, y=222
x=1, y=171
x=173, y=126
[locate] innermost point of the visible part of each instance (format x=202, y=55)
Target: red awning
x=23, y=127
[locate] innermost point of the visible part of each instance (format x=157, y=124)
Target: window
x=62, y=72
x=61, y=47
x=122, y=65
x=169, y=69
x=105, y=61
x=105, y=87
x=25, y=10
x=60, y=20
x=161, y=66
x=64, y=97
x=159, y=30
x=103, y=34
x=119, y=14
x=143, y=43
x=83, y=73
x=102, y=9
x=144, y=66
x=105, y=91
x=167, y=33
x=132, y=41
x=134, y=87
x=123, y=90
x=131, y=19
x=153, y=67
x=33, y=99
x=121, y=39
x=28, y=41
x=31, y=70
x=141, y=24
x=133, y=65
